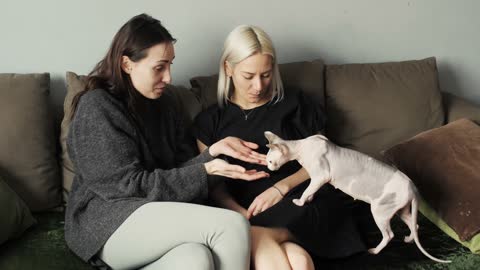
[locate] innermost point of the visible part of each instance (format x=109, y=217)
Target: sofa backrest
x=369, y=107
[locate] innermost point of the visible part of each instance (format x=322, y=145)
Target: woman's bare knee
x=278, y=235
x=298, y=257
x=267, y=252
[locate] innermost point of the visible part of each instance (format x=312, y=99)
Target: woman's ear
x=126, y=64
x=228, y=69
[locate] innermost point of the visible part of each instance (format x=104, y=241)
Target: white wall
x=56, y=36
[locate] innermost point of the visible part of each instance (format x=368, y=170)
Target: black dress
x=325, y=227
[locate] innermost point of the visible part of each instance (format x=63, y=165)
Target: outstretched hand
x=223, y=168
x=262, y=202
x=239, y=149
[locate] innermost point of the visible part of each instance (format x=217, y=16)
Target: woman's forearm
x=288, y=183
x=220, y=194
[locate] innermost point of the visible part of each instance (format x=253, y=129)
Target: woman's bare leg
x=298, y=257
x=272, y=250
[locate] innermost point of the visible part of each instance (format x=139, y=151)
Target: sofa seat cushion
x=28, y=152
x=371, y=107
x=443, y=163
x=15, y=217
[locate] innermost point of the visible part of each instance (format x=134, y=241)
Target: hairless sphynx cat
x=385, y=188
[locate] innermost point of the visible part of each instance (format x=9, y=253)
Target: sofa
x=385, y=110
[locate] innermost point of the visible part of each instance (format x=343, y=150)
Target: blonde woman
x=251, y=100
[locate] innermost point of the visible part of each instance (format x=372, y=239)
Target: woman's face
x=151, y=74
x=251, y=79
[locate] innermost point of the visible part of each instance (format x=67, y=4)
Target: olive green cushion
x=371, y=107
x=15, y=217
x=28, y=147
x=473, y=243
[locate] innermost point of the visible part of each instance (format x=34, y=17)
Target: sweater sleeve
x=104, y=147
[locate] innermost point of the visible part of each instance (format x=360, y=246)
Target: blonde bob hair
x=243, y=42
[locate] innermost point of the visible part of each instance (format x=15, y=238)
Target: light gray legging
x=171, y=235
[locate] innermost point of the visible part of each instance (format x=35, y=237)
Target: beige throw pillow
x=75, y=84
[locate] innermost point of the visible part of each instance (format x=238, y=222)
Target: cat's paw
x=298, y=202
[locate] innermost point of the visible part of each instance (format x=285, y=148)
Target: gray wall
x=56, y=36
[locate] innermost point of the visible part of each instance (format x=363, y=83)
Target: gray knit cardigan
x=112, y=180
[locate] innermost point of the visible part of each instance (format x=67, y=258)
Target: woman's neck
x=246, y=105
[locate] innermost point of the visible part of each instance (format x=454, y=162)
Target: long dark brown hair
x=133, y=40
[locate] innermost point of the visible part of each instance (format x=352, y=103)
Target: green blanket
x=43, y=247
x=401, y=255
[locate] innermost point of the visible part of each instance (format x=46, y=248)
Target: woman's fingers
x=261, y=203
x=245, y=158
x=254, y=208
x=250, y=144
x=248, y=177
x=250, y=210
x=265, y=207
x=258, y=155
x=222, y=168
x=250, y=156
x=239, y=149
x=264, y=201
x=235, y=169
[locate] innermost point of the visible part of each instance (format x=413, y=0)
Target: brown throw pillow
x=370, y=107
x=28, y=144
x=443, y=163
x=306, y=76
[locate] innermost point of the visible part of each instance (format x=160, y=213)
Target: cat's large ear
x=272, y=146
x=272, y=138
x=322, y=137
x=278, y=146
x=283, y=148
